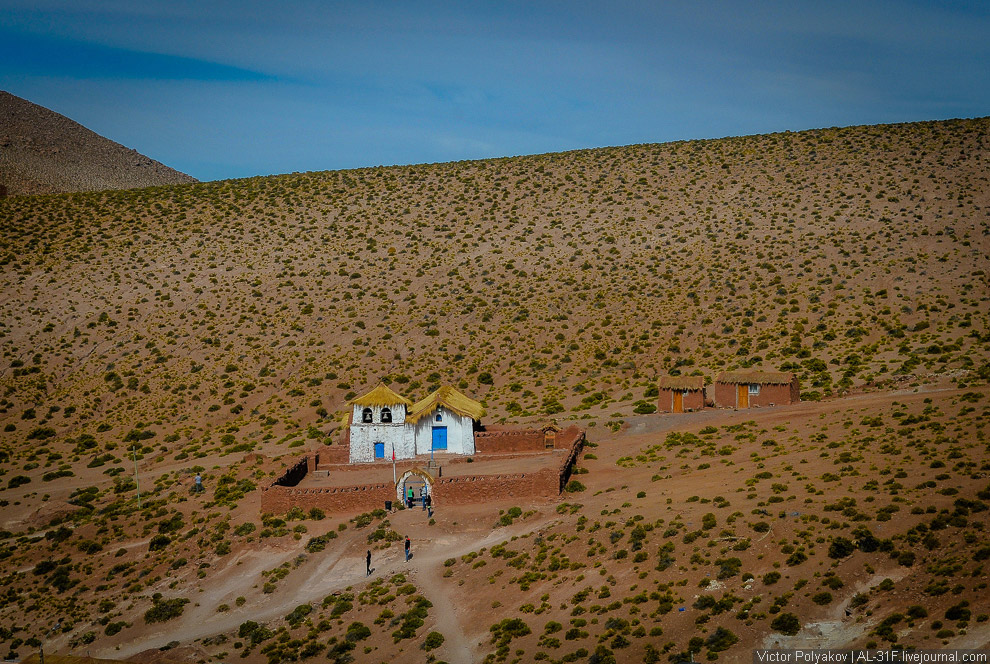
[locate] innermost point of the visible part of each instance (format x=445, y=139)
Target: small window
x=366, y=416
x=684, y=394
x=386, y=415
x=439, y=417
x=754, y=388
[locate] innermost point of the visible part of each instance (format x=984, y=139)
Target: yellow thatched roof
x=382, y=395
x=450, y=399
x=757, y=377
x=682, y=383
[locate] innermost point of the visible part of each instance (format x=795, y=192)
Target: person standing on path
x=368, y=564
x=422, y=496
x=407, y=548
x=198, y=483
x=429, y=505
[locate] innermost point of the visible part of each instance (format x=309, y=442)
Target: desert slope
x=545, y=285
x=42, y=152
x=220, y=328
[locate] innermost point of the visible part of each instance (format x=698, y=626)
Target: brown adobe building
x=680, y=394
x=749, y=389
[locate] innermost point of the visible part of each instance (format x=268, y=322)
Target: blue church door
x=379, y=450
x=439, y=438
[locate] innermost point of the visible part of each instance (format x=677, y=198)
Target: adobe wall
x=489, y=488
x=496, y=442
x=294, y=474
x=282, y=495
x=509, y=441
x=724, y=395
x=333, y=454
x=277, y=499
x=695, y=400
x=568, y=438
x=345, y=431
x=574, y=438
x=777, y=395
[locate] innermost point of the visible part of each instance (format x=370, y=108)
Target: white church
x=383, y=423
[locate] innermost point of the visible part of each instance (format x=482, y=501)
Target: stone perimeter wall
x=548, y=482
x=495, y=442
x=277, y=499
x=282, y=494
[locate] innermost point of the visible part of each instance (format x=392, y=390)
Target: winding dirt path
x=457, y=646
x=339, y=566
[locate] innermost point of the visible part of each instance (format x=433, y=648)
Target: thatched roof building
x=381, y=396
x=750, y=376
x=682, y=383
x=450, y=399
x=748, y=388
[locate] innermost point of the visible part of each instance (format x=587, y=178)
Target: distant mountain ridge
x=43, y=152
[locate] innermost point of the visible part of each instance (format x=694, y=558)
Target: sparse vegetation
x=216, y=328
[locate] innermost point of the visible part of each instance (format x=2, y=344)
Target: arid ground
x=222, y=327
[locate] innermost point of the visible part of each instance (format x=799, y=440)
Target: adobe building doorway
x=417, y=480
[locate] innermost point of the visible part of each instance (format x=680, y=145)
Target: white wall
x=397, y=434
x=409, y=440
x=460, y=432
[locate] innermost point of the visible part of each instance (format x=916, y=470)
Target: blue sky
x=239, y=88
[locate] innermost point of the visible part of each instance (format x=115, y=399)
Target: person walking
x=368, y=564
x=407, y=548
x=422, y=496
x=198, y=483
x=429, y=505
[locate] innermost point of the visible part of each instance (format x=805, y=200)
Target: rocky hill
x=42, y=152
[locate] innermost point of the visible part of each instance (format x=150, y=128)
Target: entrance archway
x=414, y=479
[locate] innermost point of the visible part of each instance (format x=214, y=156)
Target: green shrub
x=298, y=614
x=958, y=612
x=163, y=610
x=245, y=529
x=858, y=600
x=574, y=486
x=115, y=627
x=786, y=623
x=18, y=480
x=254, y=632
x=721, y=639
x=357, y=631
x=840, y=548
x=317, y=544
x=433, y=640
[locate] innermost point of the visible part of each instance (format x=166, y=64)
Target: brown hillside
x=859, y=522
x=42, y=152
x=544, y=286
x=221, y=327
